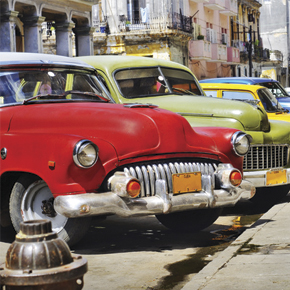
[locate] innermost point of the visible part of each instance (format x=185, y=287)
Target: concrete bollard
x=39, y=260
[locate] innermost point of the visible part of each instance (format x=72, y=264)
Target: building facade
x=212, y=37
x=144, y=28
x=29, y=25
x=275, y=31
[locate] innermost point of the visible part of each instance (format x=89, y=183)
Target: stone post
x=7, y=31
x=84, y=40
x=33, y=33
x=63, y=31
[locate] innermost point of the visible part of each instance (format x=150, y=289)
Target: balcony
x=175, y=23
x=231, y=8
x=219, y=52
x=215, y=4
x=233, y=55
x=199, y=49
x=199, y=1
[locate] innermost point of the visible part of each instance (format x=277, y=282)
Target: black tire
x=25, y=204
x=190, y=221
x=267, y=196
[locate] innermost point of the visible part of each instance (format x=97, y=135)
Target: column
x=84, y=40
x=63, y=31
x=33, y=33
x=7, y=31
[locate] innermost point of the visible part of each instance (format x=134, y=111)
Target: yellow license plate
x=276, y=177
x=186, y=182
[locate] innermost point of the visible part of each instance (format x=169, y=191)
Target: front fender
x=222, y=138
x=49, y=156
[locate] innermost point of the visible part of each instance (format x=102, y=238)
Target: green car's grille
x=266, y=157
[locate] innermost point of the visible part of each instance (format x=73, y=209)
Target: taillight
x=235, y=178
x=133, y=188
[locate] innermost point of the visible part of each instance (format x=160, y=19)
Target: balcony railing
x=219, y=52
x=215, y=4
x=233, y=54
x=231, y=8
x=200, y=49
x=175, y=21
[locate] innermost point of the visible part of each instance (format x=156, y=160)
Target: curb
x=210, y=270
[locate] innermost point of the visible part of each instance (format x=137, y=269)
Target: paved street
x=139, y=253
x=259, y=259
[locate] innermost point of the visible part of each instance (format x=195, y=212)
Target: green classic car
x=173, y=86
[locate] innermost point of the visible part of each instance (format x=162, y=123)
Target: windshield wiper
x=62, y=96
x=183, y=91
x=90, y=94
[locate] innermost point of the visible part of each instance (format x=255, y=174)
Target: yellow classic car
x=251, y=94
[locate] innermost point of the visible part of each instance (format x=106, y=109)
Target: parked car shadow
x=116, y=234
x=249, y=208
x=146, y=234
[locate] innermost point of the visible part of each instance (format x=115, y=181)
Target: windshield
x=156, y=81
x=19, y=86
x=268, y=101
x=275, y=88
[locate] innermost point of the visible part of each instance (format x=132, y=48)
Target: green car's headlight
x=241, y=143
x=85, y=154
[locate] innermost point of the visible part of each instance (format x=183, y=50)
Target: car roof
x=17, y=59
x=238, y=80
x=114, y=62
x=222, y=86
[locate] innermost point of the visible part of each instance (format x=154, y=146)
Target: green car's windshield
x=21, y=86
x=155, y=81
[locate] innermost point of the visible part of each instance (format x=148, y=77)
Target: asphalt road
x=140, y=253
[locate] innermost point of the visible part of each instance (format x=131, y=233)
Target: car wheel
x=31, y=199
x=193, y=220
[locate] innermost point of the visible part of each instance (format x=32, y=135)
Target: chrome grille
x=266, y=157
x=148, y=174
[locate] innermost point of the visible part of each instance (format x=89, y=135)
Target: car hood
x=216, y=112
x=284, y=102
x=133, y=132
x=279, y=116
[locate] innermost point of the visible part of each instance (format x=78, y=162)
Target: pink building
x=210, y=52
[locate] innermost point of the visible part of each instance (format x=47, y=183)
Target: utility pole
x=288, y=44
x=250, y=52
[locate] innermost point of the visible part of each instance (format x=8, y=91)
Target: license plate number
x=186, y=182
x=276, y=177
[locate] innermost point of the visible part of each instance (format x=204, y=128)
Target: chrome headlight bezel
x=241, y=143
x=85, y=154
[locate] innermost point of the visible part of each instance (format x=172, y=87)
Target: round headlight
x=85, y=154
x=241, y=143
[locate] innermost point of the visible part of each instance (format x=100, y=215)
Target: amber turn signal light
x=235, y=178
x=133, y=188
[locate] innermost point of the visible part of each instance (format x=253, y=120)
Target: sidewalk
x=258, y=259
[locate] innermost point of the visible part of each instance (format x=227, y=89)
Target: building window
x=134, y=9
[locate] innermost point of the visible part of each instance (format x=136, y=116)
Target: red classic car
x=68, y=154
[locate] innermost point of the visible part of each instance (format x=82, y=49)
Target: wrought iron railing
x=175, y=21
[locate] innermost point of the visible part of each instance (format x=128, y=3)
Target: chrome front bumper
x=112, y=203
x=259, y=178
